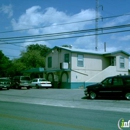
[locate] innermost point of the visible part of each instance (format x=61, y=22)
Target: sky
x=64, y=22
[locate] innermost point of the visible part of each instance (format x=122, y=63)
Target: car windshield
x=4, y=80
x=25, y=78
x=107, y=81
x=42, y=80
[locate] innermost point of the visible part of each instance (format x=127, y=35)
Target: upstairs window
x=80, y=60
x=66, y=58
x=122, y=62
x=49, y=62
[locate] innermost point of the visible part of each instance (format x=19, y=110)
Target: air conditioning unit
x=64, y=65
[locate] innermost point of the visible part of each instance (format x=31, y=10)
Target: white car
x=40, y=83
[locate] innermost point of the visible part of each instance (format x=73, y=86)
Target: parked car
x=116, y=86
x=5, y=83
x=40, y=83
x=21, y=81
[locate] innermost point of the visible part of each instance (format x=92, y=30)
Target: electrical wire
x=103, y=18
x=58, y=35
x=63, y=35
x=102, y=33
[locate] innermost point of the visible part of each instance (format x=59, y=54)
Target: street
x=73, y=98
x=21, y=116
x=56, y=109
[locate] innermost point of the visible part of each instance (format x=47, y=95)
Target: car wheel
x=19, y=87
x=37, y=86
x=28, y=87
x=92, y=95
x=127, y=96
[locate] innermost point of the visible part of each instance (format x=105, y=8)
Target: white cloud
x=7, y=9
x=85, y=42
x=52, y=21
x=125, y=38
x=111, y=49
x=121, y=38
x=88, y=43
x=35, y=17
x=27, y=42
x=117, y=20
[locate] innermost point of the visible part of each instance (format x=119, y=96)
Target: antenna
x=96, y=24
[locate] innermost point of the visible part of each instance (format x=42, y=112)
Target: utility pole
x=96, y=26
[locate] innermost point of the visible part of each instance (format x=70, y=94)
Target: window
x=107, y=81
x=113, y=61
x=80, y=61
x=127, y=81
x=49, y=62
x=66, y=58
x=35, y=80
x=42, y=79
x=25, y=78
x=122, y=62
x=117, y=82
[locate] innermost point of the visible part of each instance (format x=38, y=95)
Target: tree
x=32, y=59
x=17, y=67
x=34, y=55
x=5, y=64
x=43, y=49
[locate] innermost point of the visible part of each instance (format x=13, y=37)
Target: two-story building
x=74, y=68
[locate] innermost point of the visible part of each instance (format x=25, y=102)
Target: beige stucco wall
x=91, y=62
x=57, y=58
x=118, y=62
x=96, y=67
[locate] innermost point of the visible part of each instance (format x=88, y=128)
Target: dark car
x=21, y=81
x=5, y=83
x=116, y=86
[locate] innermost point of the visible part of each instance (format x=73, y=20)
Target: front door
x=117, y=87
x=105, y=89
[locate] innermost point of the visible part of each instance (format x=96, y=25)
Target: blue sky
x=40, y=17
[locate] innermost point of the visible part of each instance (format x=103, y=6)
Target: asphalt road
x=73, y=98
x=23, y=116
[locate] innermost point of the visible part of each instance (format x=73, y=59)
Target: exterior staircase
x=109, y=71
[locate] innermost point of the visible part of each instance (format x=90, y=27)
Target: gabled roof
x=120, y=51
x=90, y=52
x=77, y=50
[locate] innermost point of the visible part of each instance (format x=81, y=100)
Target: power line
x=90, y=30
x=5, y=42
x=65, y=33
x=103, y=18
